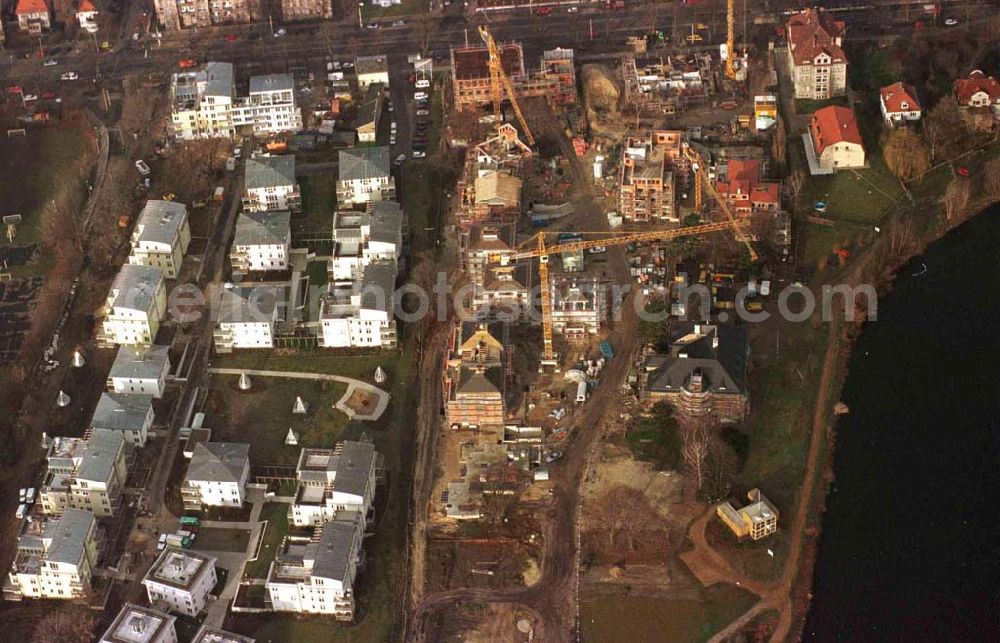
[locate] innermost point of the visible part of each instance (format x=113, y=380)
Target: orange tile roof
x=766, y=193
x=86, y=6
x=742, y=175
x=811, y=32
x=31, y=6
x=977, y=81
x=894, y=95
x=832, y=125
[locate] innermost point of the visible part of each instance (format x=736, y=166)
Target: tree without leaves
x=956, y=197
x=991, y=178
x=944, y=129
x=796, y=183
x=695, y=450
x=66, y=625
x=621, y=511
x=905, y=154
x=779, y=146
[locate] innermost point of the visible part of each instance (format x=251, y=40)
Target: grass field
x=319, y=201
x=276, y=515
x=219, y=539
x=644, y=619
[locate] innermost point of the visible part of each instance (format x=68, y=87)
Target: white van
x=22, y=511
x=581, y=392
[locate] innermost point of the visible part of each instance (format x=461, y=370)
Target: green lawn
x=219, y=539
x=276, y=515
x=808, y=105
x=642, y=619
x=262, y=416
x=319, y=202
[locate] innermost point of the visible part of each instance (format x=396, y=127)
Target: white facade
x=161, y=237
x=140, y=371
x=270, y=107
x=182, y=579
x=361, y=314
x=247, y=317
x=136, y=304
x=359, y=239
x=217, y=475
x=262, y=242
x=334, y=481
x=55, y=558
x=132, y=415
x=136, y=624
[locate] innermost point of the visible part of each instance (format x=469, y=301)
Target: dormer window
x=904, y=106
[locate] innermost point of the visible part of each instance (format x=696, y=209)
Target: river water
x=910, y=546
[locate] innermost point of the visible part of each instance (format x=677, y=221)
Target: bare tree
x=779, y=145
x=991, y=178
x=66, y=625
x=956, y=197
x=621, y=512
x=796, y=182
x=695, y=451
x=944, y=129
x=905, y=154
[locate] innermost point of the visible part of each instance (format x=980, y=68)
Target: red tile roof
x=766, y=193
x=85, y=6
x=894, y=95
x=31, y=6
x=811, y=32
x=977, y=81
x=742, y=175
x=832, y=125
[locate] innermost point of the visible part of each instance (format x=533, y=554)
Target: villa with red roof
x=744, y=191
x=899, y=104
x=33, y=16
x=978, y=92
x=86, y=15
x=818, y=64
x=835, y=140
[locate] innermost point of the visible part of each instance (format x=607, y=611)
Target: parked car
x=950, y=22
x=372, y=25
x=392, y=139
x=553, y=456
x=348, y=65
x=423, y=112
x=391, y=108
x=51, y=62
x=142, y=167
x=280, y=32
x=399, y=159
x=70, y=75
x=22, y=494
x=29, y=97
x=161, y=544
x=544, y=11
x=187, y=63
x=30, y=497
x=572, y=10
x=420, y=96
x=230, y=37
x=399, y=23
x=419, y=154
x=392, y=126
x=423, y=83
x=22, y=511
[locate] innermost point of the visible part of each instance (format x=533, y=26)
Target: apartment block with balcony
x=269, y=184
x=361, y=312
x=646, y=184
x=136, y=304
x=270, y=107
x=362, y=238
x=181, y=579
x=86, y=474
x=161, y=237
x=129, y=414
x=217, y=476
x=55, y=558
x=334, y=481
x=247, y=316
x=364, y=177
x=140, y=370
x=262, y=242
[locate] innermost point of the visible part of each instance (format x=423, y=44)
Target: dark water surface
x=910, y=549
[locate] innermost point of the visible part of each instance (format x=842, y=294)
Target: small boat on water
x=923, y=269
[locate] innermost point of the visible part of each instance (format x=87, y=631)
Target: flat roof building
x=181, y=579
x=136, y=624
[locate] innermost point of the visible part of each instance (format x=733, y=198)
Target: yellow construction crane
x=701, y=179
x=500, y=83
x=730, y=38
x=543, y=252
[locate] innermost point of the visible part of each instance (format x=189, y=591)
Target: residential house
x=578, y=308
x=485, y=249
x=704, y=374
x=55, y=558
x=361, y=313
x=247, y=316
x=364, y=177
x=130, y=414
x=899, y=104
x=140, y=370
x=161, y=237
x=316, y=576
x=33, y=16
x=86, y=16
x=361, y=238
x=217, y=475
x=270, y=107
x=818, y=64
x=181, y=579
x=96, y=480
x=136, y=624
x=192, y=14
x=262, y=242
x=334, y=481
x=836, y=139
x=646, y=182
x=208, y=634
x=743, y=190
x=756, y=520
x=269, y=184
x=978, y=94
x=370, y=113
x=292, y=10
x=371, y=69
x=136, y=304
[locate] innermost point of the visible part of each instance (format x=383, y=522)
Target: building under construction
x=665, y=84
x=555, y=80
x=490, y=185
x=652, y=165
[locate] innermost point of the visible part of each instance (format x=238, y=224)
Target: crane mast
x=500, y=83
x=730, y=38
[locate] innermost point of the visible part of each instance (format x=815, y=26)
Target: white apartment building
x=316, y=576
x=269, y=184
x=204, y=104
x=270, y=108
x=136, y=304
x=140, y=370
x=246, y=317
x=370, y=70
x=361, y=313
x=131, y=415
x=217, y=475
x=819, y=65
x=161, y=237
x=55, y=558
x=361, y=238
x=262, y=242
x=333, y=481
x=86, y=474
x=136, y=624
x=182, y=579
x=208, y=634
x=364, y=177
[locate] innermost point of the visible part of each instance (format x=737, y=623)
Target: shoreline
x=843, y=344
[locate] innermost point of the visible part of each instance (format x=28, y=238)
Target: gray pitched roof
x=161, y=221
x=262, y=228
x=370, y=105
x=338, y=544
x=353, y=466
x=121, y=412
x=269, y=171
x=723, y=366
x=378, y=285
x=370, y=65
x=219, y=79
x=272, y=83
x=136, y=286
x=68, y=536
x=99, y=455
x=248, y=304
x=386, y=222
x=218, y=461
x=140, y=363
x=362, y=163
